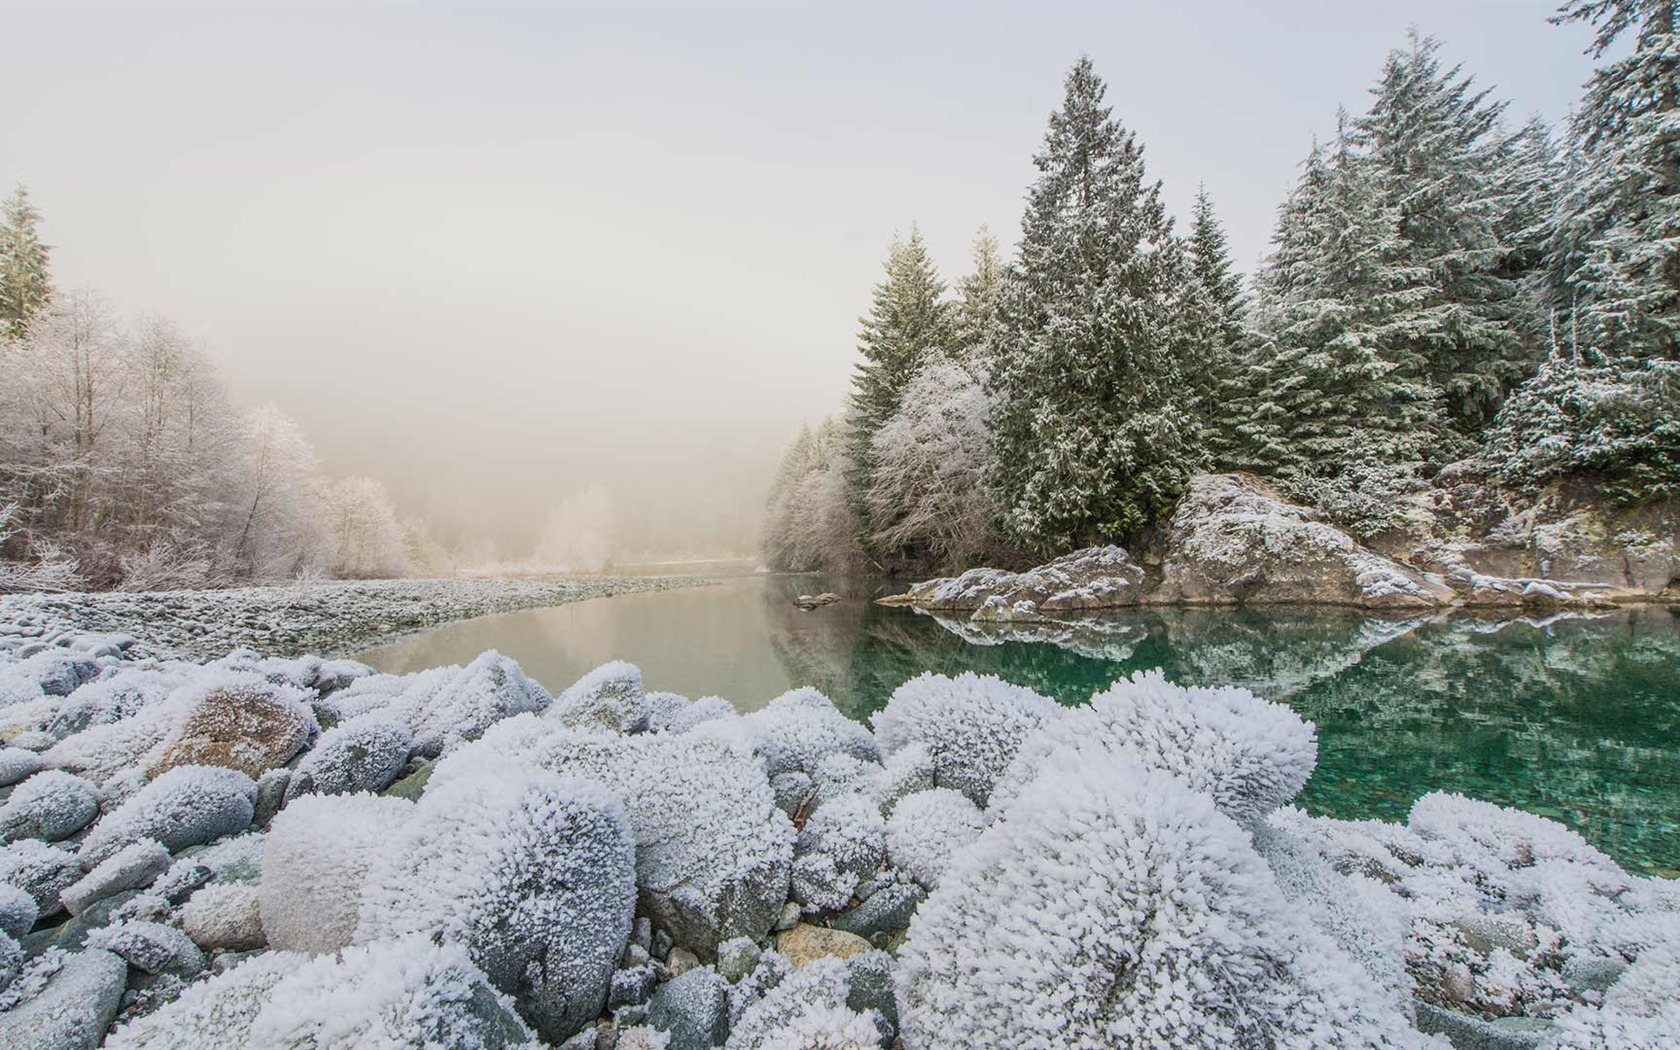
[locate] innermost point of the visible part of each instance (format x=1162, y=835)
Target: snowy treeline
x=123, y=462
x=1445, y=285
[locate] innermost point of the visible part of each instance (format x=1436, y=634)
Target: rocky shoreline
x=1233, y=540
x=298, y=852
x=331, y=618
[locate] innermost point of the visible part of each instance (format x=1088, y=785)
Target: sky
x=493, y=254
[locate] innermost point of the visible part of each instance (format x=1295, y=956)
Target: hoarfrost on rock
x=970, y=726
x=186, y=806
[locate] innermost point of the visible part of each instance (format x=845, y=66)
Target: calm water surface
x=1577, y=719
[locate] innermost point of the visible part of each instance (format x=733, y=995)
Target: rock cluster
x=195, y=863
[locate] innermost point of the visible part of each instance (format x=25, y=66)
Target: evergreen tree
x=978, y=291
x=908, y=320
x=1446, y=168
x=1092, y=431
x=25, y=282
x=1216, y=380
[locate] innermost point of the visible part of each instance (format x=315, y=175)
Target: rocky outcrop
x=1094, y=578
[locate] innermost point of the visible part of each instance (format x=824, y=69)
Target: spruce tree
x=1441, y=160
x=1093, y=436
x=908, y=320
x=1216, y=379
x=978, y=292
x=25, y=281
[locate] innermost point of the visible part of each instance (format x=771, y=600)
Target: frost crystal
x=363, y=754
x=970, y=725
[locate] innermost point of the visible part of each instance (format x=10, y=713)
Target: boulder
x=51, y=805
x=1233, y=539
x=240, y=722
x=1093, y=578
x=693, y=1008
x=132, y=867
x=805, y=944
x=363, y=754
x=151, y=947
x=73, y=1010
x=16, y=763
x=187, y=806
x=41, y=871
x=316, y=860
x=227, y=918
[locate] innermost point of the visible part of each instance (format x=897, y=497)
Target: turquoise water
x=1577, y=719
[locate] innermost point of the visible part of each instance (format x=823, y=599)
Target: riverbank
x=328, y=618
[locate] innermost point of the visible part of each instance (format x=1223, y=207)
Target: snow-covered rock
x=795, y=732
x=532, y=872
x=1114, y=906
x=1233, y=539
x=446, y=706
x=609, y=698
x=152, y=947
x=1251, y=756
x=970, y=726
x=51, y=805
x=18, y=910
x=1093, y=578
x=132, y=867
x=186, y=806
x=16, y=763
x=40, y=870
x=74, y=1008
x=806, y=1010
x=315, y=863
x=363, y=754
x=224, y=917
x=927, y=828
x=241, y=721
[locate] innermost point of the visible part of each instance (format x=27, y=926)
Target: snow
x=39, y=870
x=216, y=1012
x=927, y=828
x=971, y=726
x=186, y=806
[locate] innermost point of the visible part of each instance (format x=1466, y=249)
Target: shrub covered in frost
x=927, y=828
x=315, y=863
x=41, y=871
x=794, y=732
x=1114, y=906
x=971, y=726
x=50, y=805
x=363, y=754
x=533, y=872
x=186, y=806
x=608, y=698
x=712, y=849
x=1251, y=756
x=806, y=1010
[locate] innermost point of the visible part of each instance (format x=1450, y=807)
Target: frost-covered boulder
x=467, y=702
x=152, y=947
x=903, y=772
x=17, y=763
x=132, y=867
x=225, y=918
x=1114, y=906
x=56, y=672
x=73, y=1009
x=1233, y=539
x=794, y=733
x=41, y=871
x=849, y=830
x=1093, y=578
x=315, y=863
x=1251, y=756
x=187, y=806
x=51, y=805
x=927, y=828
x=608, y=698
x=712, y=849
x=107, y=700
x=693, y=1009
x=1641, y=1011
x=970, y=726
x=18, y=910
x=363, y=754
x=807, y=1010
x=215, y=1013
x=532, y=872
x=236, y=721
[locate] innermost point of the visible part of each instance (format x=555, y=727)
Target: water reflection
x=1574, y=718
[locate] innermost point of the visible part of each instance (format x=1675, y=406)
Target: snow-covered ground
x=297, y=852
x=329, y=618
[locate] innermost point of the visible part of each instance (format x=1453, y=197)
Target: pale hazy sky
x=491, y=253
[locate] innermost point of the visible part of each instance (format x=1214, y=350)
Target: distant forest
x=1445, y=287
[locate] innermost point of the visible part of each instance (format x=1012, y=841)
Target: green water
x=1577, y=719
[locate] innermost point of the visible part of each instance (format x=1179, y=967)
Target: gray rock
x=16, y=763
x=74, y=1009
x=737, y=958
x=41, y=871
x=886, y=911
x=18, y=911
x=181, y=880
x=789, y=918
x=51, y=805
x=680, y=961
x=151, y=946
x=1485, y=932
x=641, y=933
x=634, y=955
x=1093, y=578
x=363, y=754
x=71, y=934
x=224, y=917
x=1473, y=1033
x=632, y=986
x=694, y=1008
x=1593, y=973
x=661, y=944
x=271, y=795
x=187, y=806
x=57, y=671
x=130, y=868
x=871, y=976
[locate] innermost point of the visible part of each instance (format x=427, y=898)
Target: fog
x=507, y=257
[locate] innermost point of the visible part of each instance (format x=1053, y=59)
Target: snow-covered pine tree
x=1338, y=403
x=25, y=280
x=1445, y=166
x=1093, y=435
x=1216, y=381
x=978, y=291
x=908, y=320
